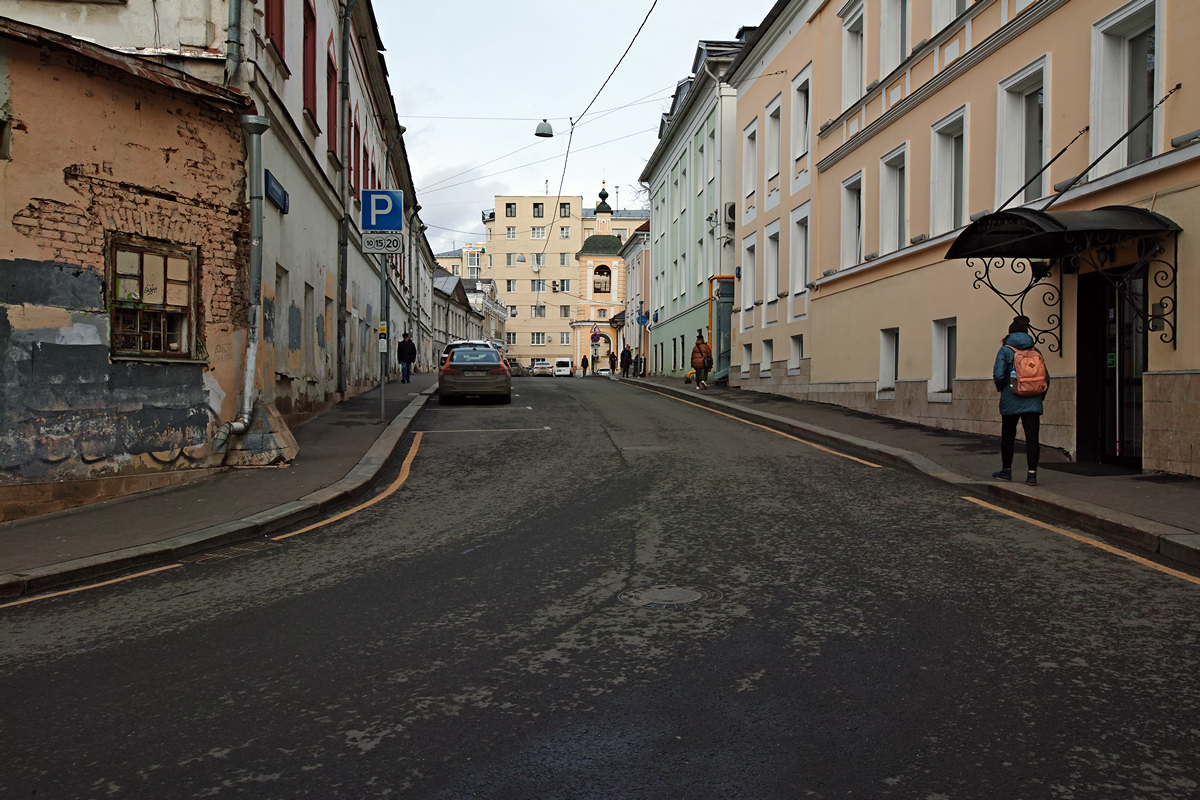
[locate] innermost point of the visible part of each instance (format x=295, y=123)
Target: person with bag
x=1022, y=380
x=701, y=361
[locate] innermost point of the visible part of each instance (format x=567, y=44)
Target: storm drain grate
x=669, y=597
x=226, y=553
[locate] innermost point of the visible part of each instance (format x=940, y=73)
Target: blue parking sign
x=382, y=210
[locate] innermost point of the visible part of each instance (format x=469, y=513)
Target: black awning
x=1028, y=233
x=618, y=320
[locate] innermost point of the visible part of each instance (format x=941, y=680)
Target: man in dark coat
x=407, y=353
x=626, y=361
x=583, y=365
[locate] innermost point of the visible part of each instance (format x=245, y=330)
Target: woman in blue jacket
x=1013, y=408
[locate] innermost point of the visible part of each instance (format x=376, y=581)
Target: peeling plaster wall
x=97, y=153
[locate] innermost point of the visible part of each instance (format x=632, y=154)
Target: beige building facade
x=875, y=134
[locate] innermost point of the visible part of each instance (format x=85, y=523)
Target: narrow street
x=846, y=630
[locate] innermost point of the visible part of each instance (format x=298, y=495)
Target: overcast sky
x=531, y=59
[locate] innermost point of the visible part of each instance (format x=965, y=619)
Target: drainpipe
x=254, y=126
x=233, y=42
x=344, y=231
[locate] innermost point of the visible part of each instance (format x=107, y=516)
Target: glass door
x=1125, y=361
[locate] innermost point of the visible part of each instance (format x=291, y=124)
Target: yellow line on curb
x=1077, y=537
x=388, y=492
x=764, y=427
x=90, y=586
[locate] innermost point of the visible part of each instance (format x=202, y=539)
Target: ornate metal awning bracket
x=1097, y=249
x=1041, y=278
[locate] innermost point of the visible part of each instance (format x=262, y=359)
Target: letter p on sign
x=383, y=210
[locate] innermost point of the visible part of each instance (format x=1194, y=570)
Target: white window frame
x=797, y=351
x=893, y=190
x=472, y=258
x=802, y=113
x=941, y=170
x=564, y=285
x=564, y=337
x=800, y=248
x=537, y=285
x=538, y=311
x=854, y=53
x=853, y=193
x=895, y=34
x=946, y=11
x=538, y=259
x=749, y=273
x=512, y=311
x=564, y=231
x=535, y=336
x=564, y=259
x=510, y=232
x=942, y=373
x=1109, y=107
x=767, y=358
x=510, y=259
x=1010, y=127
x=771, y=256
x=510, y=285
x=510, y=338
x=747, y=356
x=889, y=363
x=537, y=232
x=710, y=151
x=750, y=159
x=774, y=143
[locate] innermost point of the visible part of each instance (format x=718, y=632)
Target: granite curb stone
x=356, y=481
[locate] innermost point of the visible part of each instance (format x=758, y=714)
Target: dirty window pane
x=153, y=272
x=127, y=263
x=127, y=289
x=177, y=269
x=177, y=294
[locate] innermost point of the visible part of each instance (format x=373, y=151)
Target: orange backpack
x=1028, y=377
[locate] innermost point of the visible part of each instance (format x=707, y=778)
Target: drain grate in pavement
x=226, y=553
x=669, y=597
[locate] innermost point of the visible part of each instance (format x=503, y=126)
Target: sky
x=525, y=60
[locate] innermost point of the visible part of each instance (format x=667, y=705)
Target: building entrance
x=1112, y=356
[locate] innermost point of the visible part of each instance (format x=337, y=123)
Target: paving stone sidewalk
x=331, y=446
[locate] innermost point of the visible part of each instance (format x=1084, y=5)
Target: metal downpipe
x=344, y=230
x=254, y=126
x=233, y=42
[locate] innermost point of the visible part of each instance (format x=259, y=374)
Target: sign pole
x=382, y=224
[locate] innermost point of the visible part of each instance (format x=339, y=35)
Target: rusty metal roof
x=135, y=65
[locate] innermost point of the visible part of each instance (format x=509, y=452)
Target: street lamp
x=544, y=130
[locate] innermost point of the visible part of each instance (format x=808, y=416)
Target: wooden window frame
x=132, y=318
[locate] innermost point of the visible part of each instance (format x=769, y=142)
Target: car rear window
x=471, y=355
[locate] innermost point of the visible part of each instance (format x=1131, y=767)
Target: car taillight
x=448, y=370
x=501, y=370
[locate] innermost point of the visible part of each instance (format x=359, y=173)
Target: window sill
x=758, y=302
x=941, y=397
x=311, y=120
x=333, y=159
x=771, y=302
x=278, y=57
x=888, y=393
x=159, y=359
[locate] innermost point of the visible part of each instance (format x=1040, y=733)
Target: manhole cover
x=669, y=596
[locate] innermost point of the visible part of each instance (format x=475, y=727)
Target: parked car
x=604, y=371
x=562, y=368
x=542, y=368
x=464, y=343
x=516, y=369
x=474, y=370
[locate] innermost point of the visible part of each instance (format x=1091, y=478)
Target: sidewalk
x=340, y=452
x=1157, y=512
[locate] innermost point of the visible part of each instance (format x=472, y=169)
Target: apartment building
x=908, y=185
x=690, y=175
x=316, y=74
x=636, y=253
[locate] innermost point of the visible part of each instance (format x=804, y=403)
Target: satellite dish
x=536, y=268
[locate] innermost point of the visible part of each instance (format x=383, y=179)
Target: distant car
x=604, y=371
x=541, y=368
x=562, y=368
x=474, y=370
x=516, y=369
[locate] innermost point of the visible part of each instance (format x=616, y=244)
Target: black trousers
x=1032, y=423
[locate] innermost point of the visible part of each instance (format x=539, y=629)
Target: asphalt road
x=864, y=632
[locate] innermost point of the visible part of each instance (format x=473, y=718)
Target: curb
x=356, y=481
x=1168, y=541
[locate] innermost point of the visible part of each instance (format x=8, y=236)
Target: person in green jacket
x=1013, y=408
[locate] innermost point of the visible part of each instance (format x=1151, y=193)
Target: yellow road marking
x=388, y=492
x=764, y=427
x=1077, y=537
x=492, y=430
x=90, y=586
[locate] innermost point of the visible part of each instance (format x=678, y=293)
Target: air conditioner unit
x=730, y=215
x=554, y=286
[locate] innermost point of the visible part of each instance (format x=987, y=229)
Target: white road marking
x=491, y=430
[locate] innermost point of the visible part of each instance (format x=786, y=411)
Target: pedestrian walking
x=612, y=363
x=626, y=361
x=701, y=361
x=1022, y=381
x=583, y=365
x=407, y=353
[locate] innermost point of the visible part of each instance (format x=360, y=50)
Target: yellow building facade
x=877, y=134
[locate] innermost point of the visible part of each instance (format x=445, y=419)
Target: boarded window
x=152, y=291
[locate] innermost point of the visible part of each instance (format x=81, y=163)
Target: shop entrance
x=1112, y=355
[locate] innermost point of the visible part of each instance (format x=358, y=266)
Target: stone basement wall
x=1171, y=422
x=973, y=407
x=68, y=411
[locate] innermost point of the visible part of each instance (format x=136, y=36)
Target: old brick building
x=122, y=314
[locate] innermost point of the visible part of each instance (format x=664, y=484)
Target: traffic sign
x=643, y=319
x=595, y=328
x=382, y=210
x=382, y=243
x=595, y=338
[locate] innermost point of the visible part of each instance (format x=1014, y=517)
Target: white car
x=604, y=371
x=542, y=368
x=562, y=368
